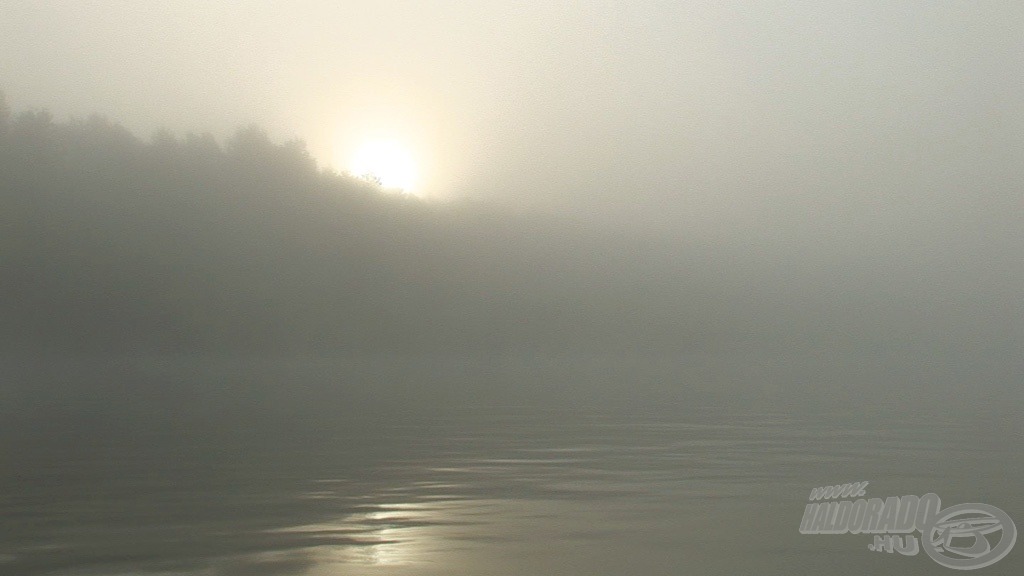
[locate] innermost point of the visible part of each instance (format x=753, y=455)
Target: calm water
x=709, y=491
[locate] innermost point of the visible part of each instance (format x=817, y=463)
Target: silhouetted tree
x=372, y=179
x=250, y=142
x=294, y=156
x=164, y=141
x=33, y=128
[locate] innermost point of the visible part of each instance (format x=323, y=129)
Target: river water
x=502, y=491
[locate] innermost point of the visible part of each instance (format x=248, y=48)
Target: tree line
x=115, y=244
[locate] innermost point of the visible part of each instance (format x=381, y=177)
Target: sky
x=684, y=115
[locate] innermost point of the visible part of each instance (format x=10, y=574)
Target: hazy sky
x=685, y=113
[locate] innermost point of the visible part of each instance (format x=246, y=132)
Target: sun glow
x=387, y=162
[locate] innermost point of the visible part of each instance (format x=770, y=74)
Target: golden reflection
x=382, y=535
x=459, y=536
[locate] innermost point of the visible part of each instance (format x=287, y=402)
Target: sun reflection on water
x=412, y=537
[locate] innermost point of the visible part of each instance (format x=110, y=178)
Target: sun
x=386, y=161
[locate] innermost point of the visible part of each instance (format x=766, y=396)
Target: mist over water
x=712, y=489
x=206, y=375
x=249, y=466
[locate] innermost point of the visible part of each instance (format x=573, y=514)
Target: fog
x=654, y=211
x=182, y=246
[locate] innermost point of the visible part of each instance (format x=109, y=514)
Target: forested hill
x=112, y=244
x=116, y=245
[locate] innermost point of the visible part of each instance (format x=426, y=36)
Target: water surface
x=502, y=491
